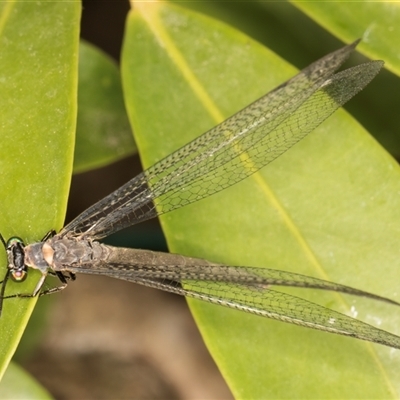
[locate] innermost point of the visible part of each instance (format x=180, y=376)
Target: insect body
x=219, y=158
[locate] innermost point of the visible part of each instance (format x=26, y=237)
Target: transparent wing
x=248, y=289
x=232, y=150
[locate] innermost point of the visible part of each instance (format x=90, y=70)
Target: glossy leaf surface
x=326, y=208
x=103, y=131
x=38, y=81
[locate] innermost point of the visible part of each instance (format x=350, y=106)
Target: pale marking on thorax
x=48, y=253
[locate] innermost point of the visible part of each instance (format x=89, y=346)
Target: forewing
x=231, y=151
x=249, y=290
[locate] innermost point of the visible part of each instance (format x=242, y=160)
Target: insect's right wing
x=231, y=151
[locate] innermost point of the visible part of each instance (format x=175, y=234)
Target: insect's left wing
x=242, y=288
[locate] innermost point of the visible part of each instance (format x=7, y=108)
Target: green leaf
x=288, y=31
x=38, y=81
x=103, y=131
x=18, y=384
x=327, y=208
x=378, y=23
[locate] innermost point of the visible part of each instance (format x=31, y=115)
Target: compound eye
x=19, y=275
x=13, y=240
